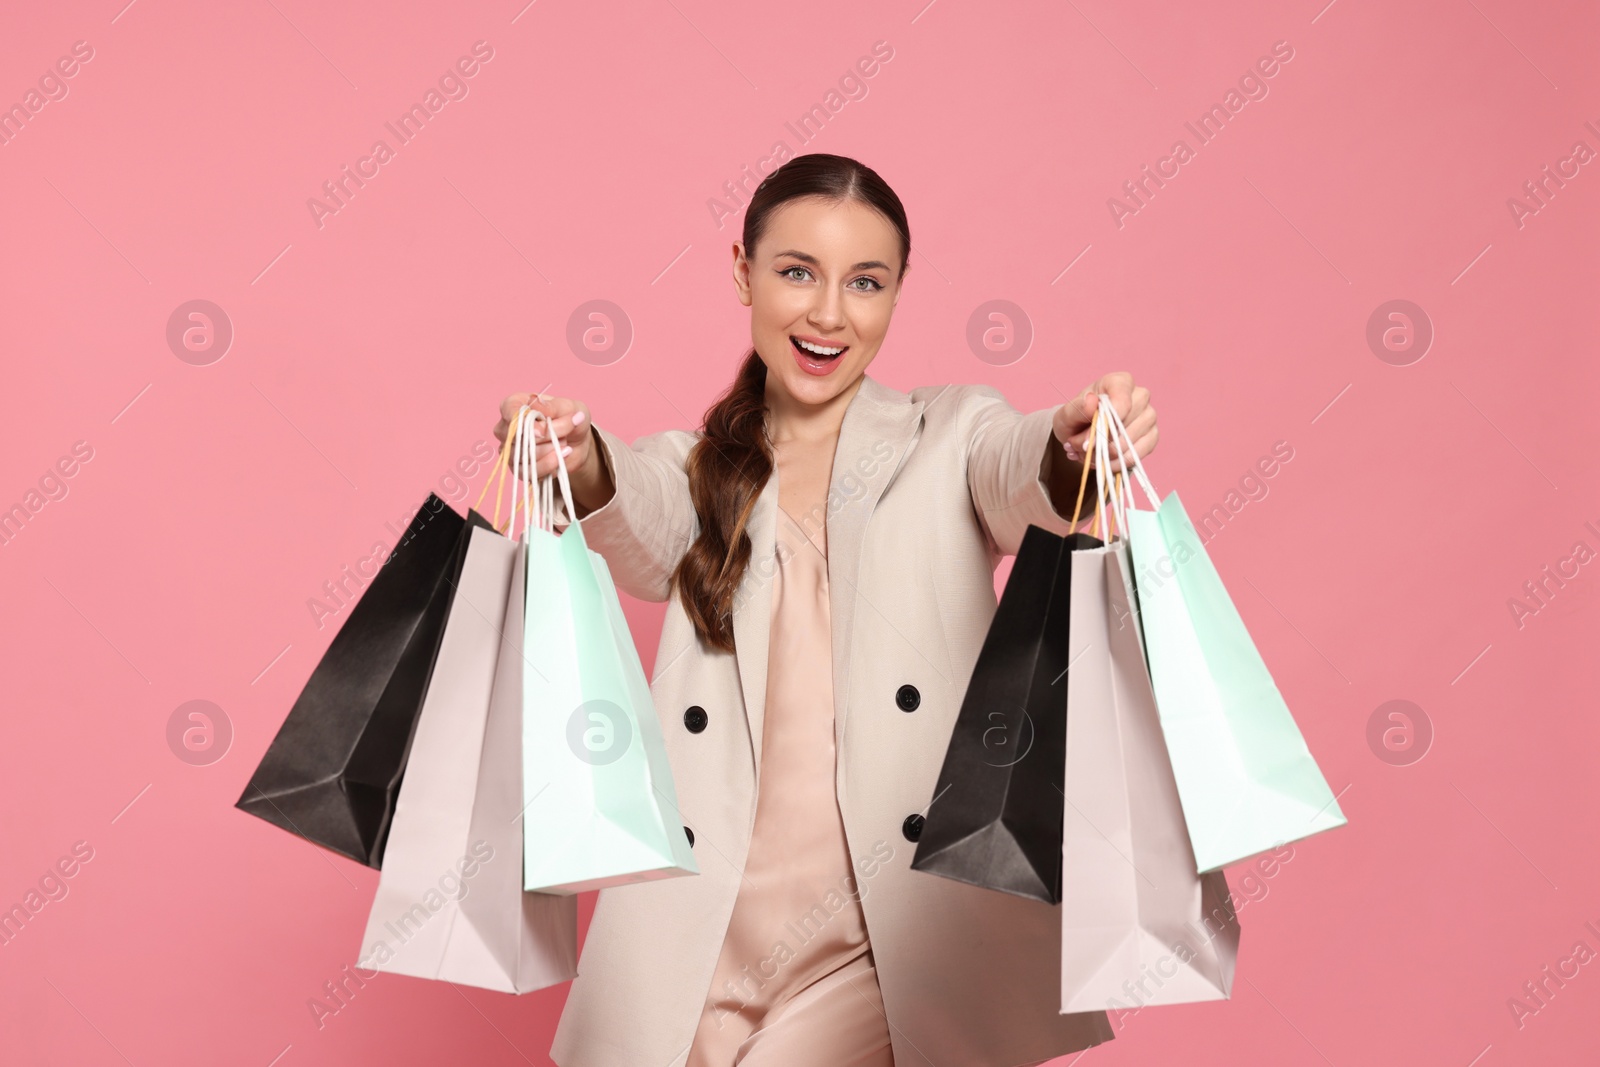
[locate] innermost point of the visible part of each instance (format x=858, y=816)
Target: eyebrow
x=805, y=257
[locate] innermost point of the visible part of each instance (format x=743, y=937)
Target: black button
x=907, y=697
x=690, y=834
x=695, y=719
x=912, y=827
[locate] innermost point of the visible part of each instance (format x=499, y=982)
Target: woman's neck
x=790, y=421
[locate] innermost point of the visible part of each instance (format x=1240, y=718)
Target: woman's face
x=826, y=274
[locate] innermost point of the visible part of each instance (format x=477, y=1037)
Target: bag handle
x=1108, y=490
x=559, y=477
x=1120, y=430
x=506, y=463
x=535, y=499
x=1083, y=478
x=521, y=465
x=497, y=477
x=519, y=488
x=498, y=473
x=539, y=504
x=1119, y=491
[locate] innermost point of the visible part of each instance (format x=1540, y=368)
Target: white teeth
x=817, y=349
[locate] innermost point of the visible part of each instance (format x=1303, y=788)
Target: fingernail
x=566, y=450
x=1072, y=451
x=578, y=418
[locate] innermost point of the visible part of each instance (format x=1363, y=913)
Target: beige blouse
x=797, y=918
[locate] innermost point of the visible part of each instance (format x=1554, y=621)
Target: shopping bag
x=1246, y=778
x=600, y=808
x=331, y=773
x=995, y=817
x=450, y=904
x=1138, y=925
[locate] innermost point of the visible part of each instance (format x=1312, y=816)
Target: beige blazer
x=928, y=491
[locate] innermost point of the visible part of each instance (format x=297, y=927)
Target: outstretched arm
x=648, y=522
x=1025, y=470
x=632, y=501
x=1017, y=472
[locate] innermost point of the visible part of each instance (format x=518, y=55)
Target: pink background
x=370, y=353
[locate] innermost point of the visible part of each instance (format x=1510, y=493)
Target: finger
x=542, y=462
x=1079, y=410
x=1072, y=422
x=1119, y=388
x=1141, y=423
x=511, y=405
x=1109, y=462
x=565, y=428
x=559, y=411
x=1138, y=402
x=542, y=447
x=1084, y=434
x=546, y=465
x=524, y=414
x=553, y=406
x=1145, y=443
x=532, y=472
x=1143, y=434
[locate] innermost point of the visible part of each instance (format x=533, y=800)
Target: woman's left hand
x=1074, y=418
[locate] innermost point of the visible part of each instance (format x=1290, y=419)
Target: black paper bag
x=996, y=817
x=332, y=773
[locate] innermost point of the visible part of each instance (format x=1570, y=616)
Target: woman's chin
x=818, y=389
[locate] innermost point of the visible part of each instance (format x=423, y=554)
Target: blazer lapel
x=879, y=426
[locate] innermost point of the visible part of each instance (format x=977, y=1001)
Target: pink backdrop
x=1440, y=461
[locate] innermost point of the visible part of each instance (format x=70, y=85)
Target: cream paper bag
x=450, y=903
x=1138, y=925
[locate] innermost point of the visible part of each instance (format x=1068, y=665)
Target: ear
x=741, y=274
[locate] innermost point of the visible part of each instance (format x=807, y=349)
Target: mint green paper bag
x=599, y=804
x=1246, y=779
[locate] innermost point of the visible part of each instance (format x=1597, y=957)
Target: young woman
x=828, y=545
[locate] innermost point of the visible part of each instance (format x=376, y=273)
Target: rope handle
x=1121, y=434
x=508, y=462
x=497, y=476
x=1116, y=490
x=1118, y=493
x=1083, y=479
x=539, y=504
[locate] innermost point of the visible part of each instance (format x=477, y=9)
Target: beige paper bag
x=450, y=903
x=1138, y=925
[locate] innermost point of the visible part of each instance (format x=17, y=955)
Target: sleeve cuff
x=1035, y=436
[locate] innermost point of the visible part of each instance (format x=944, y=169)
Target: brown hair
x=730, y=464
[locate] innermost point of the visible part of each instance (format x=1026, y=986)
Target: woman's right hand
x=569, y=421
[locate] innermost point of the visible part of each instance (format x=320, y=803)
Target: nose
x=827, y=311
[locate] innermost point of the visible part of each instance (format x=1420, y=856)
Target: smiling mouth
x=818, y=353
